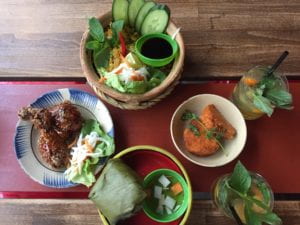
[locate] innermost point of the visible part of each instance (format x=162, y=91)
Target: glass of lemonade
x=224, y=197
x=244, y=91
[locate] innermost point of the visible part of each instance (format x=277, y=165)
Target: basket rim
x=92, y=76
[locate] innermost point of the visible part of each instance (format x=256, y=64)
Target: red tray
x=272, y=147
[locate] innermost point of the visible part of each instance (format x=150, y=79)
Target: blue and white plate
x=26, y=137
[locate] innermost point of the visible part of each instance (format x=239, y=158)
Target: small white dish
x=26, y=137
x=230, y=112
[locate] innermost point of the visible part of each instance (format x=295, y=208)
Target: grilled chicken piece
x=212, y=118
x=53, y=149
x=59, y=126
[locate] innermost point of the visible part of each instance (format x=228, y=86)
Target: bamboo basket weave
x=131, y=101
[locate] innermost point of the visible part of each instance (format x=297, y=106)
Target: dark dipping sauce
x=156, y=48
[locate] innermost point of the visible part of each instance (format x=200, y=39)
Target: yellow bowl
x=175, y=160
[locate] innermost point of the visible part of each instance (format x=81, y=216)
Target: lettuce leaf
x=136, y=87
x=105, y=148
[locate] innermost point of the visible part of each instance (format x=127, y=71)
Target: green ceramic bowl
x=151, y=203
x=156, y=62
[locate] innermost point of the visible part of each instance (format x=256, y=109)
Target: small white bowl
x=231, y=113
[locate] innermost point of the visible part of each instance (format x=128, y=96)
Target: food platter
x=26, y=137
x=144, y=159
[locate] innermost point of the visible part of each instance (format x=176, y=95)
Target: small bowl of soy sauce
x=156, y=49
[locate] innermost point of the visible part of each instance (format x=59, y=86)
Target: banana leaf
x=118, y=192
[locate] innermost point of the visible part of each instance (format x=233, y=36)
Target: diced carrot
x=176, y=188
x=250, y=81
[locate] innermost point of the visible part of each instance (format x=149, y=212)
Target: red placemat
x=272, y=147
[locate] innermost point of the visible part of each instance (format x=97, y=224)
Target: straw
x=235, y=216
x=278, y=62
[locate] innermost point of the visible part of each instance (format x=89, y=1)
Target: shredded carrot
x=102, y=80
x=119, y=71
x=137, y=77
x=89, y=147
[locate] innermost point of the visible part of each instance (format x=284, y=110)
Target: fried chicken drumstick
x=59, y=127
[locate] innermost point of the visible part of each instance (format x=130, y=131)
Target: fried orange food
x=212, y=122
x=212, y=118
x=199, y=145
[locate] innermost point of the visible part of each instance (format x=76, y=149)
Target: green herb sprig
x=269, y=94
x=100, y=44
x=239, y=184
x=211, y=133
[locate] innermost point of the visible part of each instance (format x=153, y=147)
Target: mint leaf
x=268, y=82
x=270, y=218
x=93, y=45
x=96, y=29
x=265, y=191
x=240, y=179
x=279, y=97
x=263, y=104
x=250, y=216
x=101, y=57
x=116, y=27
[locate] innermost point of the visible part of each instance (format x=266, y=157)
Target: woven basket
x=131, y=101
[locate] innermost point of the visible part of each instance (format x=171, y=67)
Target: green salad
x=92, y=145
x=112, y=47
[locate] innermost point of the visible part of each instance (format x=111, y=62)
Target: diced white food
x=177, y=207
x=170, y=202
x=165, y=182
x=161, y=201
x=169, y=211
x=160, y=210
x=157, y=192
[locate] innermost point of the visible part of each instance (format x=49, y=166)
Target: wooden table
x=39, y=40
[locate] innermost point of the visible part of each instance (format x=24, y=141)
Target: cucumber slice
x=156, y=20
x=142, y=14
x=133, y=9
x=119, y=10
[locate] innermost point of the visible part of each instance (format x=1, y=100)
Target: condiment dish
x=150, y=204
x=156, y=62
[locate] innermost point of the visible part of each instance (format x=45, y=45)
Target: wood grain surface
x=78, y=212
x=40, y=38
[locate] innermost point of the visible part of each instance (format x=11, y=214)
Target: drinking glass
x=243, y=93
x=223, y=197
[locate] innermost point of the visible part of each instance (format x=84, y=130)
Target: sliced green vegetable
x=119, y=10
x=156, y=21
x=133, y=10
x=142, y=14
